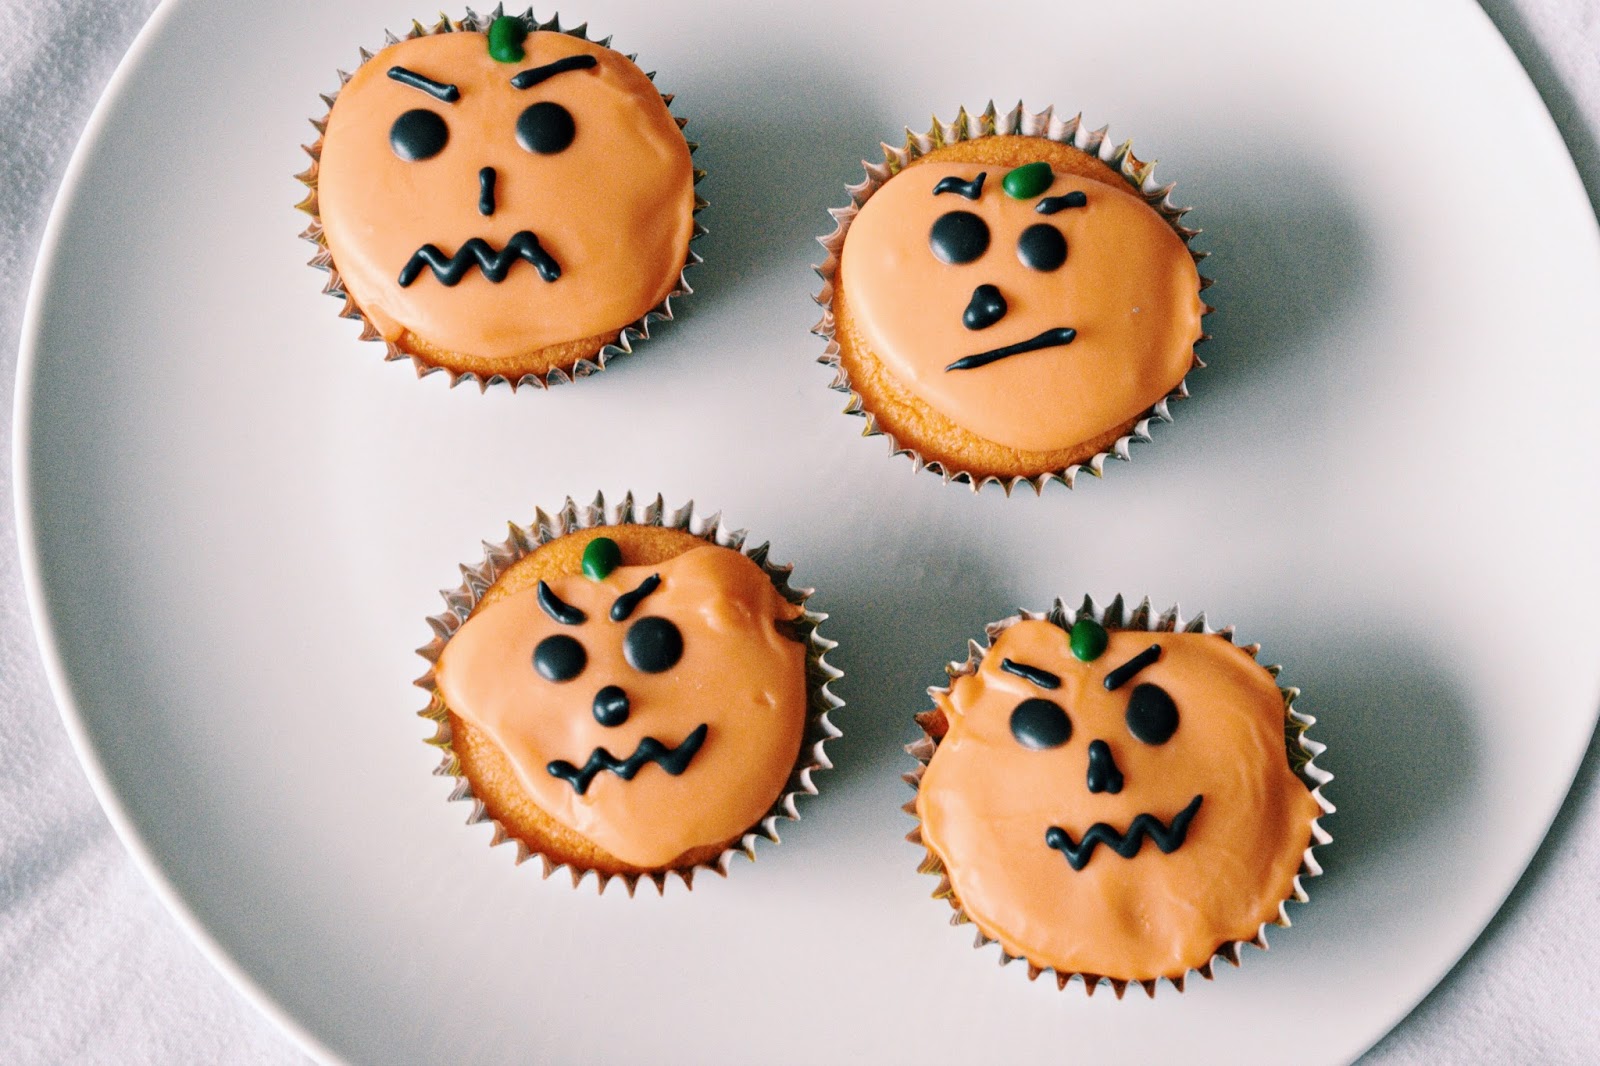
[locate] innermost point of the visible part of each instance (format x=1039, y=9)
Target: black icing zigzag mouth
x=1168, y=837
x=479, y=253
x=650, y=750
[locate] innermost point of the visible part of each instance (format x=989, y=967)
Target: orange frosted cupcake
x=1008, y=299
x=1117, y=796
x=630, y=696
x=502, y=199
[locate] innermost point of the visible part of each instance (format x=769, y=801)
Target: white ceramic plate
x=234, y=516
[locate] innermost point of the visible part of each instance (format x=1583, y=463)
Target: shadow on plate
x=772, y=173
x=1294, y=262
x=1400, y=742
x=897, y=626
x=1435, y=1013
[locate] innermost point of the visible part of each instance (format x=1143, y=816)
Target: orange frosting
x=739, y=675
x=1128, y=287
x=986, y=803
x=615, y=208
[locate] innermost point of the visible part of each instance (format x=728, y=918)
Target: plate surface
x=234, y=515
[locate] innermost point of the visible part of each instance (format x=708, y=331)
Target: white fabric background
x=93, y=969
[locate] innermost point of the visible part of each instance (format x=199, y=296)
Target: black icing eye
x=418, y=134
x=959, y=237
x=1042, y=247
x=1040, y=724
x=559, y=658
x=1152, y=716
x=545, y=128
x=652, y=645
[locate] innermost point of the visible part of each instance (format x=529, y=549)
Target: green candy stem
x=506, y=35
x=601, y=556
x=1028, y=181
x=1088, y=637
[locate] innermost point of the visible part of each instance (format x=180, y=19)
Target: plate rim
x=31, y=559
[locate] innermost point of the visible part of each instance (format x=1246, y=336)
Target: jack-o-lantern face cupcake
x=502, y=200
x=1007, y=305
x=1118, y=799
x=632, y=697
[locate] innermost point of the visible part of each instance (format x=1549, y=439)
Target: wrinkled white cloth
x=93, y=969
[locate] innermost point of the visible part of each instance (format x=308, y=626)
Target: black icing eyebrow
x=559, y=609
x=1032, y=674
x=448, y=94
x=1124, y=673
x=970, y=189
x=1051, y=204
x=625, y=603
x=534, y=75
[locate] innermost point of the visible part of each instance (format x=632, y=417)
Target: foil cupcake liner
x=1301, y=749
x=1139, y=175
x=637, y=330
x=498, y=558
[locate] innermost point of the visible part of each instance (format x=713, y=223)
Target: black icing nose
x=486, y=183
x=611, y=706
x=985, y=308
x=1103, y=773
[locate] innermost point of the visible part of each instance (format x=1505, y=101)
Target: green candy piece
x=601, y=556
x=1089, y=637
x=1028, y=181
x=506, y=35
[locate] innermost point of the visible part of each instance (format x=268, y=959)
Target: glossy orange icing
x=1128, y=286
x=739, y=675
x=986, y=803
x=615, y=208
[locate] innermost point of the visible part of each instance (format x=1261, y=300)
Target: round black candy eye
x=1040, y=724
x=418, y=134
x=559, y=658
x=1042, y=247
x=959, y=237
x=652, y=645
x=545, y=128
x=1152, y=716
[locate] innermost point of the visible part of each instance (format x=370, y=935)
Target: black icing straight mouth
x=650, y=750
x=1168, y=837
x=1050, y=338
x=480, y=254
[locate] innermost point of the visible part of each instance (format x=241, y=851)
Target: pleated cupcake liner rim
x=1302, y=752
x=631, y=333
x=1139, y=175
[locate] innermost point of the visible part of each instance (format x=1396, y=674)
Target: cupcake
x=632, y=696
x=502, y=199
x=1116, y=796
x=1010, y=299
